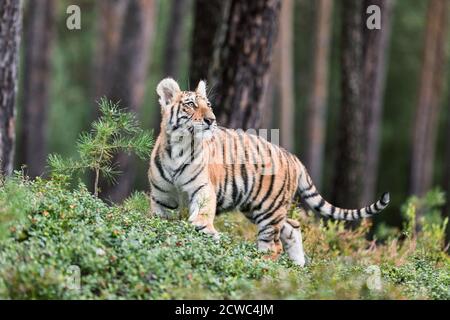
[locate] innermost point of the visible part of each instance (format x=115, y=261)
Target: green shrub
x=16, y=201
x=120, y=250
x=123, y=252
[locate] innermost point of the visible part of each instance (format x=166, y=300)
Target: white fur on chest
x=180, y=166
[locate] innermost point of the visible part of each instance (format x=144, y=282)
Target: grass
x=58, y=242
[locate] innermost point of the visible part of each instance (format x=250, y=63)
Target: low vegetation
x=66, y=243
x=59, y=241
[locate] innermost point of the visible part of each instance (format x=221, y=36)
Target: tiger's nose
x=209, y=121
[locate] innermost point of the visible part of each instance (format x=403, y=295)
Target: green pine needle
x=115, y=131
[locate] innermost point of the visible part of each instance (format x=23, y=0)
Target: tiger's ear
x=201, y=88
x=167, y=90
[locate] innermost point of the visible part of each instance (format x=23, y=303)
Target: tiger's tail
x=315, y=201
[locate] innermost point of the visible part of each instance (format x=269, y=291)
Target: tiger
x=207, y=169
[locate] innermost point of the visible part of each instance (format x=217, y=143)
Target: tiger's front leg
x=163, y=205
x=202, y=209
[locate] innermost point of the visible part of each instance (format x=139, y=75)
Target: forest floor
x=60, y=242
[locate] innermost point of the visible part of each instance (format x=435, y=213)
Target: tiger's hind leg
x=291, y=238
x=269, y=229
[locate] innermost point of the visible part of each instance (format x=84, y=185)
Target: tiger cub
x=208, y=169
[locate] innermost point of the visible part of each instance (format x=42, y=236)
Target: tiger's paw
x=209, y=231
x=270, y=257
x=300, y=262
x=206, y=228
x=299, y=259
x=273, y=253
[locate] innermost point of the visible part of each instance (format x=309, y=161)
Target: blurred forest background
x=367, y=111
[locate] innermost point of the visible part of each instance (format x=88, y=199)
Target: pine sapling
x=115, y=130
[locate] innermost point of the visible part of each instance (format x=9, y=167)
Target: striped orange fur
x=210, y=169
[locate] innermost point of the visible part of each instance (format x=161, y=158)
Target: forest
x=356, y=89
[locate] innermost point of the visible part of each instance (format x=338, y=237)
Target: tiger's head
x=185, y=112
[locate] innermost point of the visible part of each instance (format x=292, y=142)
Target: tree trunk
x=286, y=81
x=429, y=99
x=38, y=34
x=270, y=115
x=174, y=38
x=316, y=112
x=348, y=184
x=110, y=23
x=174, y=46
x=208, y=16
x=446, y=177
x=129, y=79
x=376, y=44
x=241, y=65
x=10, y=29
x=109, y=31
